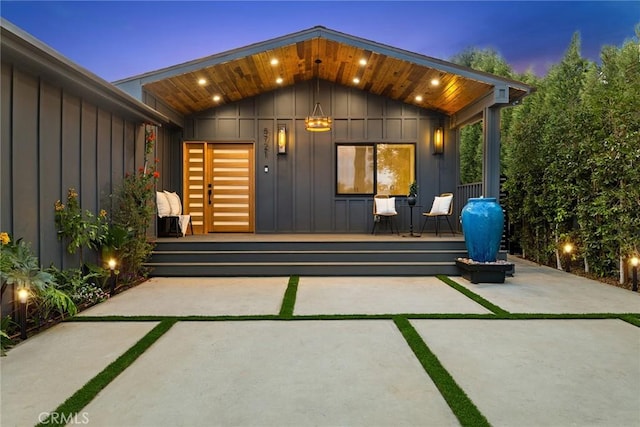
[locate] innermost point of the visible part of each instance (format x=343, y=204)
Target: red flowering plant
x=135, y=209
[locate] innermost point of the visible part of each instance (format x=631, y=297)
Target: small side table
x=411, y=234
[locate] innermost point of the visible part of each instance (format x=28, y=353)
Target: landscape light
x=634, y=273
x=112, y=278
x=568, y=248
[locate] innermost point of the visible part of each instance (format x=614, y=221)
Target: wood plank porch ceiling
x=383, y=74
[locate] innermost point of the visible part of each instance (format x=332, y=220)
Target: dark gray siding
x=298, y=193
x=53, y=140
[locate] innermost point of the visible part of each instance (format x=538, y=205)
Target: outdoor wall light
x=634, y=274
x=282, y=139
x=438, y=141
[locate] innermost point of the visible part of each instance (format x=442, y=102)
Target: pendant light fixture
x=317, y=121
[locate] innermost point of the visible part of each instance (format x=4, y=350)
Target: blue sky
x=118, y=39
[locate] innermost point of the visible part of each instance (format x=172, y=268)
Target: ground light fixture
x=23, y=298
x=634, y=273
x=568, y=250
x=112, y=278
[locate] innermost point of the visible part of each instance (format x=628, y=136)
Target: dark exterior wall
x=168, y=146
x=53, y=140
x=298, y=194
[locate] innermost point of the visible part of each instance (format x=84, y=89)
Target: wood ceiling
x=383, y=74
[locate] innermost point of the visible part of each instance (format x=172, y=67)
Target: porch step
x=413, y=257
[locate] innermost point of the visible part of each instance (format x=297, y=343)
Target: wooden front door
x=230, y=188
x=219, y=187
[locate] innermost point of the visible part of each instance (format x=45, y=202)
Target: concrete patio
x=328, y=371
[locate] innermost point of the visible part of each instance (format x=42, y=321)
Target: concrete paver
x=356, y=372
x=540, y=289
x=543, y=372
x=206, y=296
x=42, y=372
x=274, y=373
x=380, y=295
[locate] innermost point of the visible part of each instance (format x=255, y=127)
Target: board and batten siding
x=53, y=140
x=298, y=194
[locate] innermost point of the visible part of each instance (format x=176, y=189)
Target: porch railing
x=463, y=193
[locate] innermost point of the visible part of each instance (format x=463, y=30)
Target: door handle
x=209, y=193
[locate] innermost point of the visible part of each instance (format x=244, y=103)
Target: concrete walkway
x=330, y=372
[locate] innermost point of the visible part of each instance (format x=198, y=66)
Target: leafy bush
x=20, y=267
x=79, y=229
x=574, y=157
x=134, y=213
x=5, y=341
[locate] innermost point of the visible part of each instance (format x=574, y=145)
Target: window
x=375, y=168
x=355, y=169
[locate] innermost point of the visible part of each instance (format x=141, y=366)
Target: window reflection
x=394, y=166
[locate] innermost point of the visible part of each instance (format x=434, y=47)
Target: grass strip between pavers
x=463, y=408
x=88, y=392
x=634, y=320
x=472, y=295
x=628, y=317
x=240, y=318
x=289, y=299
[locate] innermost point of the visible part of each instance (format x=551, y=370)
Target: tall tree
x=609, y=212
x=490, y=61
x=574, y=159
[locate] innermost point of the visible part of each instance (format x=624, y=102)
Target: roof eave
x=329, y=34
x=36, y=57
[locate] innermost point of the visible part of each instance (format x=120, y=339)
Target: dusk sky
x=118, y=39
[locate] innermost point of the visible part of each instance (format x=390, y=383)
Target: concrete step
x=303, y=269
x=328, y=258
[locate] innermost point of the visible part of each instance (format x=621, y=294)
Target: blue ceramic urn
x=482, y=224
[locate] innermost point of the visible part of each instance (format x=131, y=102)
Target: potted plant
x=413, y=193
x=482, y=224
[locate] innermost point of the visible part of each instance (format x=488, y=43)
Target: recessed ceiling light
x=216, y=98
x=363, y=61
x=435, y=82
x=356, y=80
x=274, y=61
x=279, y=80
x=202, y=82
x=419, y=98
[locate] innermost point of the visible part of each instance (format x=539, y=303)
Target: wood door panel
x=194, y=184
x=230, y=168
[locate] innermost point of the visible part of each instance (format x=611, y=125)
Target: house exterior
x=386, y=106
x=231, y=133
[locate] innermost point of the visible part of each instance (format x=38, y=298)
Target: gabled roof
x=391, y=72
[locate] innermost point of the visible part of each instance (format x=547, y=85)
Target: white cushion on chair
x=386, y=206
x=441, y=205
x=174, y=202
x=183, y=221
x=164, y=208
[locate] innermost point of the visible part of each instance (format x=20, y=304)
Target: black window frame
x=374, y=146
